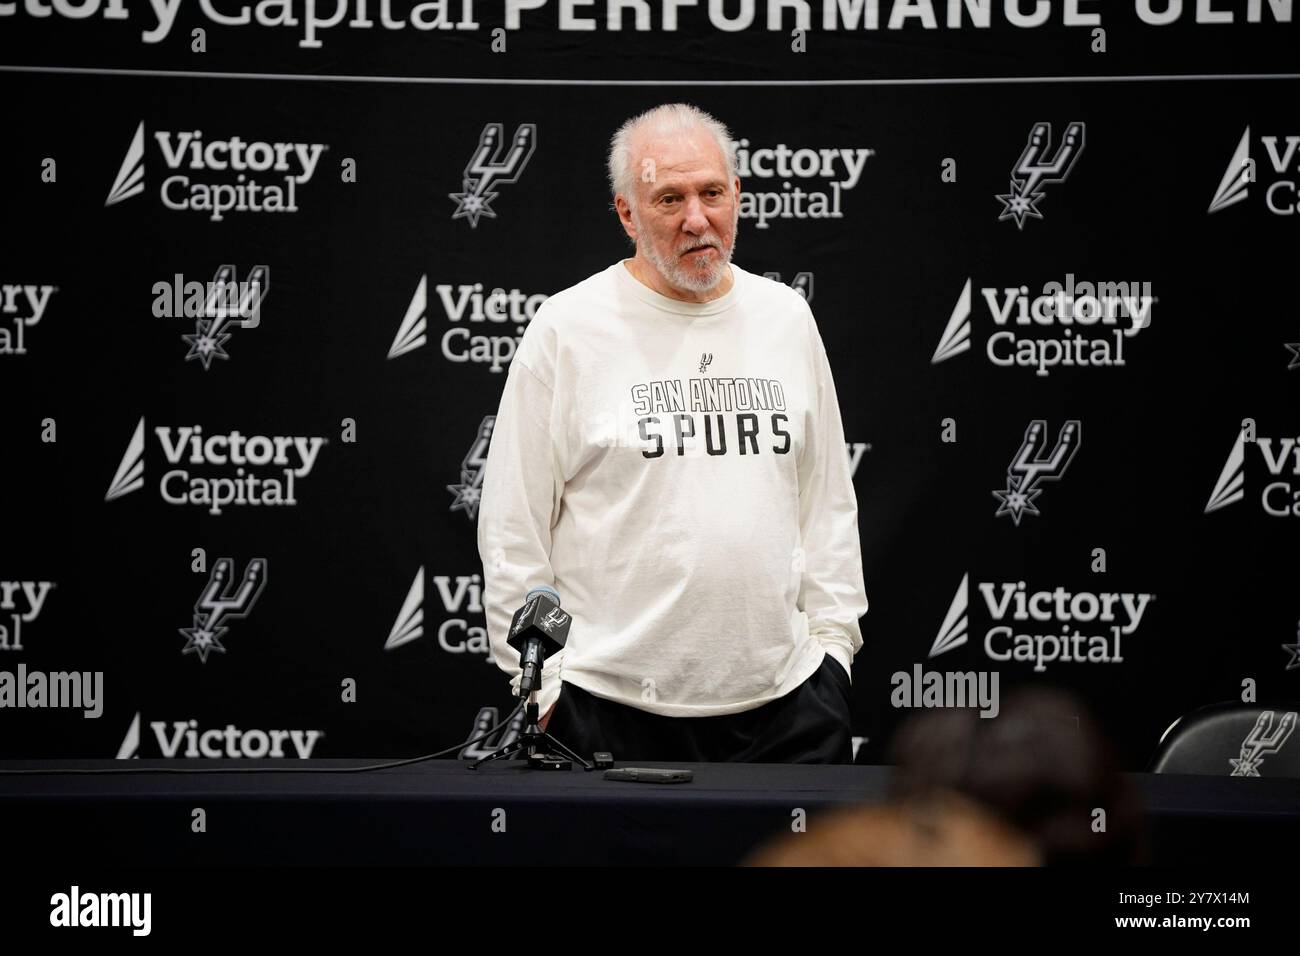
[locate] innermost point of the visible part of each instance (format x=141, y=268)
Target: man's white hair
x=669, y=118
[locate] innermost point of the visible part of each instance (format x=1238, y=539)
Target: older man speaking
x=669, y=457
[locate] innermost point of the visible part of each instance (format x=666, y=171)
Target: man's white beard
x=697, y=277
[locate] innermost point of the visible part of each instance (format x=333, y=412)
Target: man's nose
x=694, y=220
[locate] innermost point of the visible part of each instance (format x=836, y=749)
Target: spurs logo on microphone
x=215, y=605
x=1031, y=466
x=523, y=616
x=1032, y=171
x=554, y=618
x=1264, y=738
x=470, y=489
x=487, y=168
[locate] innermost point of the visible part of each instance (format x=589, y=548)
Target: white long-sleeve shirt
x=677, y=471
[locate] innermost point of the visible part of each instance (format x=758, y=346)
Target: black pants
x=808, y=725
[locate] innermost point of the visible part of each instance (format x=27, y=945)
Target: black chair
x=1232, y=740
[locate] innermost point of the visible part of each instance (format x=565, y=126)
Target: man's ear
x=625, y=216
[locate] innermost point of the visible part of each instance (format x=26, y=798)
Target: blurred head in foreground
x=943, y=829
x=1041, y=765
x=1020, y=789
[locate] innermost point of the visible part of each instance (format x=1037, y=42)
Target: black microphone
x=538, y=630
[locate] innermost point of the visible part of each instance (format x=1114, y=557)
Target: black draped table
x=441, y=812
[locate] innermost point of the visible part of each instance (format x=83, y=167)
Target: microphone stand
x=536, y=743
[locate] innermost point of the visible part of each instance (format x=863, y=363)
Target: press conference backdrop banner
x=266, y=265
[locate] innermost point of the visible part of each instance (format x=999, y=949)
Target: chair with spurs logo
x=1232, y=740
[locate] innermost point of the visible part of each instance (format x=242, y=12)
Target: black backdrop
x=1164, y=108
